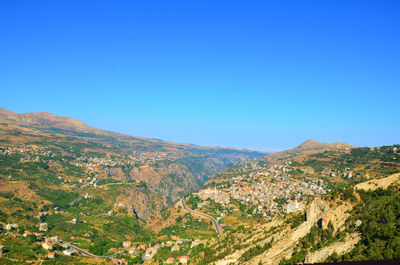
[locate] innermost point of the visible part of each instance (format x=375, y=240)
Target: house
x=111, y=249
x=132, y=250
x=41, y=214
x=170, y=260
x=150, y=252
x=64, y=245
x=126, y=244
x=26, y=233
x=68, y=252
x=53, y=239
x=119, y=261
x=11, y=226
x=43, y=227
x=51, y=255
x=47, y=245
x=142, y=246
x=184, y=259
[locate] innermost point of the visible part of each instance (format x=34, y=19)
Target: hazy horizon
x=262, y=149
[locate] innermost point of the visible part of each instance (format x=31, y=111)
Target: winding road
x=90, y=254
x=215, y=222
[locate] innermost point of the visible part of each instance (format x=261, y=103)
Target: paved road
x=107, y=184
x=215, y=222
x=90, y=254
x=76, y=200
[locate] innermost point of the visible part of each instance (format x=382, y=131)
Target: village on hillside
x=269, y=191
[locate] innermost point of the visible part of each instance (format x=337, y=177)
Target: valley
x=70, y=193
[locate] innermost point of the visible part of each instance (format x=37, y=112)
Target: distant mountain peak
x=310, y=146
x=45, y=120
x=310, y=142
x=4, y=111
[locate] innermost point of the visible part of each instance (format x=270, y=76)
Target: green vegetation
x=59, y=198
x=102, y=245
x=298, y=256
x=19, y=250
x=192, y=201
x=376, y=162
x=296, y=219
x=188, y=227
x=379, y=212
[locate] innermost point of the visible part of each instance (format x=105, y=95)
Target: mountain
x=306, y=148
x=61, y=179
x=312, y=145
x=169, y=170
x=45, y=122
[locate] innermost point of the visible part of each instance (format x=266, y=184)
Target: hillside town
x=90, y=163
x=85, y=158
x=270, y=191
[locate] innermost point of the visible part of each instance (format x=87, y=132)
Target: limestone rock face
x=338, y=247
x=317, y=212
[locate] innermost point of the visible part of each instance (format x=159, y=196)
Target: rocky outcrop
x=318, y=212
x=285, y=239
x=374, y=184
x=336, y=217
x=283, y=247
x=339, y=247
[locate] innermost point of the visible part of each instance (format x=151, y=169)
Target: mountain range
x=170, y=170
x=61, y=179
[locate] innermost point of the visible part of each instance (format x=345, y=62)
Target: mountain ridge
x=308, y=147
x=47, y=120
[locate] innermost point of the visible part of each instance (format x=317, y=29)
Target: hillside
x=308, y=208
x=168, y=169
x=114, y=198
x=93, y=186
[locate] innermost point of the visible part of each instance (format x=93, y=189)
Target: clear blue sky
x=265, y=75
